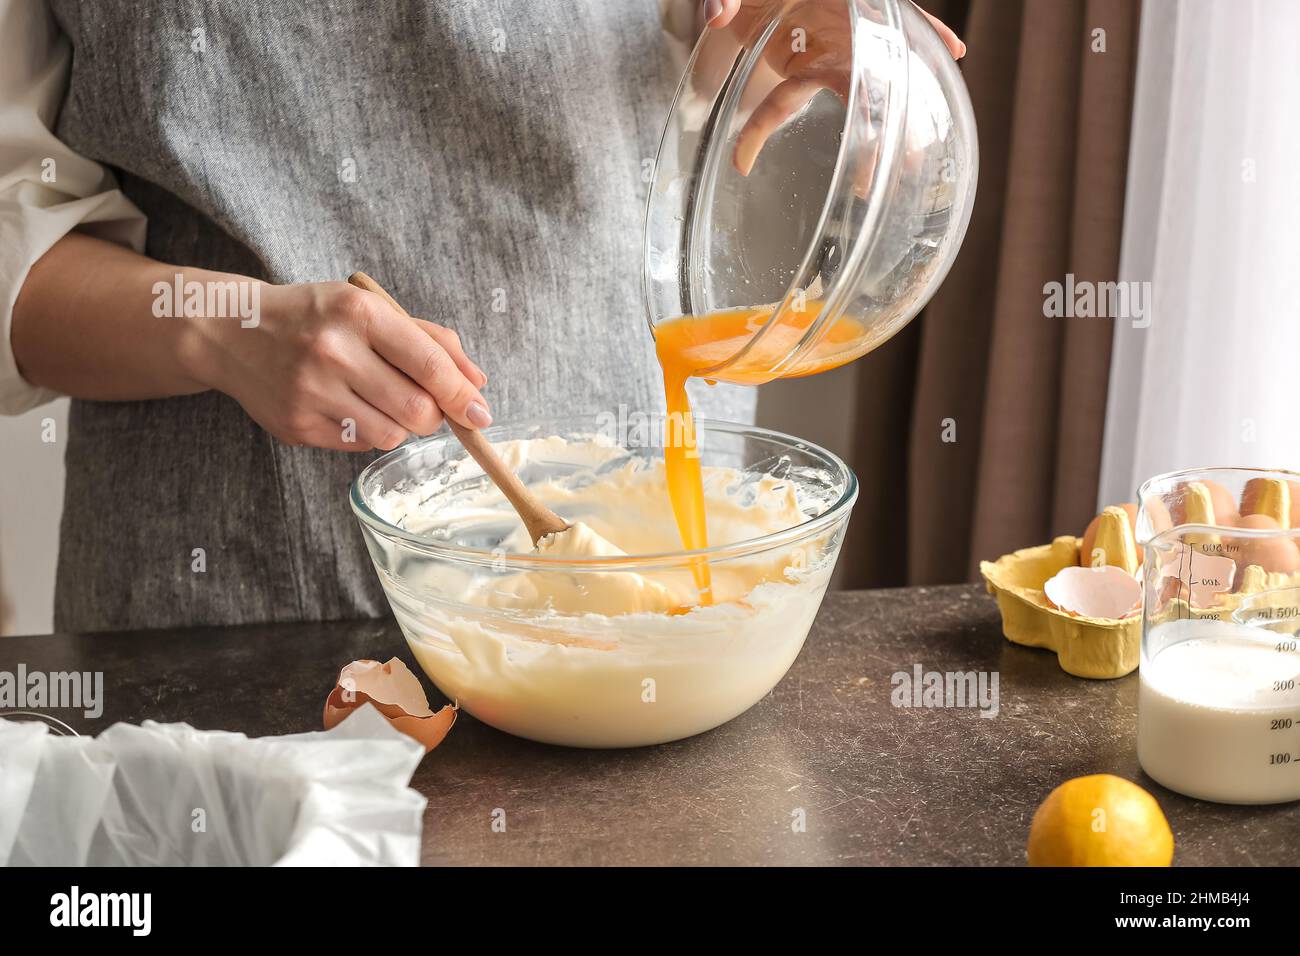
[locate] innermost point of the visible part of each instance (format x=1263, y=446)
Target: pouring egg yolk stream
x=691, y=345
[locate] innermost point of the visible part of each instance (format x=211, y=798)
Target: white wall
x=31, y=502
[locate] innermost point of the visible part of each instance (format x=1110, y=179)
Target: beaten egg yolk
x=701, y=346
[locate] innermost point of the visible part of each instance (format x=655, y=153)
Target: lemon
x=1100, y=820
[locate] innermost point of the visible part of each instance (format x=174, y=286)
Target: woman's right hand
x=323, y=363
x=330, y=365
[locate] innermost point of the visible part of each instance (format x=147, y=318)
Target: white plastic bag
x=170, y=795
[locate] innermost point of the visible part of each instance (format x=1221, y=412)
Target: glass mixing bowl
x=534, y=645
x=816, y=174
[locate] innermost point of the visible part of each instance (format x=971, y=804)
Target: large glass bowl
x=818, y=166
x=576, y=671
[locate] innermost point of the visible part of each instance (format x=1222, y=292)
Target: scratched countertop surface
x=873, y=783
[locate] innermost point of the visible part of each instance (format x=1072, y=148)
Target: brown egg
x=1225, y=506
x=1172, y=589
x=1295, y=503
x=1278, y=554
x=1090, y=533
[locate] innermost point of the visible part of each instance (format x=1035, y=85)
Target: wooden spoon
x=537, y=518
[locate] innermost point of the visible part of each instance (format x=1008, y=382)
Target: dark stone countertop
x=878, y=784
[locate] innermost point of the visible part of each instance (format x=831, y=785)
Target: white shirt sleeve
x=46, y=190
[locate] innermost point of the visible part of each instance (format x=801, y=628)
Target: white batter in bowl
x=597, y=642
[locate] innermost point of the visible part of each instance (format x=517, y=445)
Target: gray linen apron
x=463, y=152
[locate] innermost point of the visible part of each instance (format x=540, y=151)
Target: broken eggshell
x=1101, y=592
x=396, y=693
x=1215, y=575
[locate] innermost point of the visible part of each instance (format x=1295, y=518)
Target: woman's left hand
x=719, y=13
x=820, y=60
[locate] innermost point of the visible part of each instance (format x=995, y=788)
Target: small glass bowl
x=842, y=225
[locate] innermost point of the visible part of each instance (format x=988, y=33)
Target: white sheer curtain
x=1212, y=221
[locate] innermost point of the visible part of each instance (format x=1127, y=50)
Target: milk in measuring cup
x=1219, y=711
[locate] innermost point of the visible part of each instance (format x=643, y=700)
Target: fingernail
x=478, y=415
x=711, y=9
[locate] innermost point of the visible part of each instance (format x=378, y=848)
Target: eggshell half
x=396, y=693
x=1195, y=576
x=1104, y=592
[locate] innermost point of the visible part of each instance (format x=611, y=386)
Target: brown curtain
x=979, y=428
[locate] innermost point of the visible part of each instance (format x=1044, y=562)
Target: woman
x=485, y=168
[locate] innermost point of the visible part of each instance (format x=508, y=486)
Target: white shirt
x=46, y=190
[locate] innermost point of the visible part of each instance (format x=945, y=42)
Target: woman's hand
x=333, y=366
x=322, y=364
x=719, y=13
x=798, y=71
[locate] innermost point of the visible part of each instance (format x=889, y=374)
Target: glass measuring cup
x=813, y=184
x=1219, y=681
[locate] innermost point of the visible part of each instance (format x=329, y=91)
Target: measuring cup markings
x=1219, y=714
x=1219, y=682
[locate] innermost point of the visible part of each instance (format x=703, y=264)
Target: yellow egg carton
x=1084, y=646
x=1109, y=647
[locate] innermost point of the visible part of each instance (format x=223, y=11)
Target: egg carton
x=1085, y=646
x=1094, y=647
